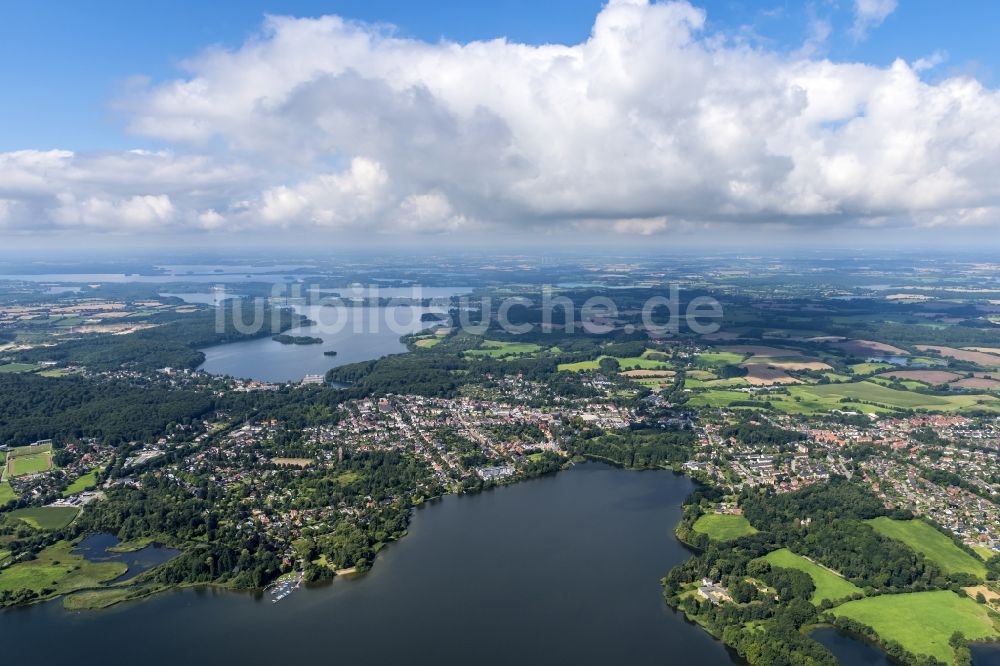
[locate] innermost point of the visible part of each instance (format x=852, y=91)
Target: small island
x=330, y=352
x=433, y=316
x=297, y=340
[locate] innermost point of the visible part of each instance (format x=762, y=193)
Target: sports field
x=23, y=460
x=932, y=544
x=922, y=622
x=723, y=527
x=829, y=585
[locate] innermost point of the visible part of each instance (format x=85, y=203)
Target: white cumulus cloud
x=328, y=123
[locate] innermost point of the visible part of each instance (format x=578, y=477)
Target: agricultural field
x=761, y=351
x=6, y=493
x=18, y=367
x=767, y=375
x=496, y=349
x=59, y=570
x=922, y=622
x=720, y=358
x=977, y=357
x=925, y=376
x=723, y=527
x=829, y=584
x=869, y=368
x=55, y=373
x=46, y=517
x=931, y=543
x=715, y=383
x=828, y=397
x=427, y=343
x=869, y=347
x=643, y=362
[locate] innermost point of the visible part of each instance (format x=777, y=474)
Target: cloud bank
x=650, y=125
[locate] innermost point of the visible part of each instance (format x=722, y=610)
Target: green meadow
x=643, y=362
x=723, y=527
x=18, y=367
x=58, y=570
x=922, y=622
x=6, y=493
x=81, y=483
x=497, y=349
x=829, y=585
x=930, y=543
x=867, y=397
x=46, y=517
x=716, y=359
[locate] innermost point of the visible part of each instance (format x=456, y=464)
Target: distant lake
x=214, y=297
x=355, y=333
x=559, y=570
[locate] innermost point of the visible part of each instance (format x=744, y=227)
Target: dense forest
x=34, y=408
x=822, y=522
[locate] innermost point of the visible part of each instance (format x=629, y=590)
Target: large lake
x=355, y=333
x=559, y=570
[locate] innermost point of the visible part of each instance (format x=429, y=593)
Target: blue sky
x=623, y=119
x=63, y=63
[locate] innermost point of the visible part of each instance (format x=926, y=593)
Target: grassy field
x=29, y=464
x=931, y=543
x=830, y=395
x=922, y=622
x=719, y=398
x=984, y=552
x=716, y=359
x=6, y=493
x=23, y=460
x=46, y=517
x=81, y=483
x=58, y=570
x=723, y=527
x=10, y=368
x=857, y=396
x=869, y=368
x=497, y=349
x=625, y=363
x=427, y=343
x=714, y=383
x=829, y=585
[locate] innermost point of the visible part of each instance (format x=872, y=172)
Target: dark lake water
x=850, y=651
x=559, y=570
x=95, y=548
